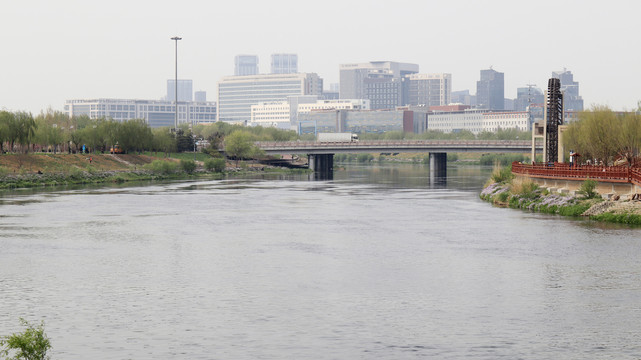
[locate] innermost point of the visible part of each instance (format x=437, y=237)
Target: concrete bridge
x=321, y=154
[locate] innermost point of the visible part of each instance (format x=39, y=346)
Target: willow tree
x=604, y=135
x=629, y=137
x=595, y=134
x=239, y=145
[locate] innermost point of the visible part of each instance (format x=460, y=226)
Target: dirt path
x=117, y=158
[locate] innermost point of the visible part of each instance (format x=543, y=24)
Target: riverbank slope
x=527, y=195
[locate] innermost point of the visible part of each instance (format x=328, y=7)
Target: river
x=376, y=264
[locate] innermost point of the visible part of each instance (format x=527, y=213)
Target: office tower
x=284, y=64
x=526, y=96
x=184, y=90
x=381, y=82
x=463, y=97
x=200, y=96
x=572, y=101
x=236, y=94
x=429, y=89
x=490, y=90
x=246, y=65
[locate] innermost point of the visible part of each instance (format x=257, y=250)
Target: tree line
x=54, y=131
x=605, y=136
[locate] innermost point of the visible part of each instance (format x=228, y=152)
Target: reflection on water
x=377, y=263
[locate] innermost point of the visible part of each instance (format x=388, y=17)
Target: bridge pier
x=322, y=165
x=438, y=167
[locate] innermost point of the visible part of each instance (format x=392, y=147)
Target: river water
x=375, y=264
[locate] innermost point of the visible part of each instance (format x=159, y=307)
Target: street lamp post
x=176, y=38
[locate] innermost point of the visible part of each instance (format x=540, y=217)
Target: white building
x=275, y=114
x=339, y=104
x=236, y=94
x=519, y=120
x=478, y=121
x=448, y=122
x=157, y=113
x=279, y=114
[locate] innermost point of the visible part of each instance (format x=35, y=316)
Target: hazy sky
x=54, y=50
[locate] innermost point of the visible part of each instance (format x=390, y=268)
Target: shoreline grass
x=506, y=191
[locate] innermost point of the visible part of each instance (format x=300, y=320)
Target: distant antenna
x=529, y=93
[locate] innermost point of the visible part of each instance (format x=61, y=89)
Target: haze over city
x=54, y=51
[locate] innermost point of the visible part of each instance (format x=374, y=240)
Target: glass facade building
x=185, y=90
x=490, y=90
x=245, y=65
x=284, y=64
x=361, y=122
x=572, y=101
x=236, y=94
x=382, y=80
x=429, y=89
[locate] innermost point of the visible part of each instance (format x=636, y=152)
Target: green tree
x=26, y=129
x=32, y=344
x=184, y=141
x=602, y=134
x=163, y=140
x=629, y=137
x=216, y=165
x=6, y=125
x=239, y=145
x=134, y=134
x=188, y=166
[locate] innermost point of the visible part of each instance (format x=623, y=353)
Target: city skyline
x=68, y=50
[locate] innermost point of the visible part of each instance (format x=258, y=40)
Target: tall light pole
x=176, y=38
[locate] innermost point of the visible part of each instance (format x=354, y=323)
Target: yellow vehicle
x=116, y=149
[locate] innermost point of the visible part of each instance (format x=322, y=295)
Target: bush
x=75, y=173
x=524, y=188
x=188, y=166
x=32, y=344
x=216, y=165
x=631, y=219
x=362, y=158
x=502, y=174
x=161, y=167
x=588, y=188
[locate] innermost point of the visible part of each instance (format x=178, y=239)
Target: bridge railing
x=621, y=174
x=400, y=143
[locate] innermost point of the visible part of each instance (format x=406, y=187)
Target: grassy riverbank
x=40, y=170
x=506, y=191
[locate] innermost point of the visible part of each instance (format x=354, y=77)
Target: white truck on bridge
x=336, y=137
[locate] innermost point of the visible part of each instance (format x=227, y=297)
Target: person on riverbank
x=571, y=159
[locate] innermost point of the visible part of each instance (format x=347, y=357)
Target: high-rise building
x=429, y=89
x=245, y=65
x=526, y=96
x=185, y=92
x=381, y=82
x=236, y=94
x=284, y=63
x=200, y=96
x=572, y=101
x=463, y=97
x=490, y=90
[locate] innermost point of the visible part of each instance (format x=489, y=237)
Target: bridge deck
x=396, y=146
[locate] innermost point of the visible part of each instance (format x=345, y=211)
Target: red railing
x=621, y=174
